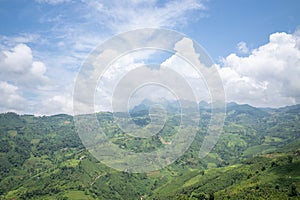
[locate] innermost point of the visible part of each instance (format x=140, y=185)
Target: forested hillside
x=256, y=157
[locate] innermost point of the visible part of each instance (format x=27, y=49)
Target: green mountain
x=256, y=157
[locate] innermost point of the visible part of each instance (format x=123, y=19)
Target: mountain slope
x=258, y=154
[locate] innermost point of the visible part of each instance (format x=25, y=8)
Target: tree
x=294, y=191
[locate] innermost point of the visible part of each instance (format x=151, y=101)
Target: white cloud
x=52, y=2
x=198, y=71
x=12, y=41
x=126, y=15
x=17, y=66
x=10, y=99
x=42, y=64
x=242, y=47
x=269, y=76
x=112, y=76
x=59, y=103
x=25, y=87
x=190, y=73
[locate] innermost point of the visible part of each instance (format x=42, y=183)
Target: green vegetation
x=272, y=176
x=257, y=157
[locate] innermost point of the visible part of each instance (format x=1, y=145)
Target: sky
x=43, y=44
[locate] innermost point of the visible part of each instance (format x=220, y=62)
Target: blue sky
x=44, y=42
x=229, y=22
x=218, y=27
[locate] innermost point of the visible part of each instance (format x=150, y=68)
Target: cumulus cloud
x=74, y=34
x=266, y=76
x=56, y=104
x=191, y=74
x=11, y=100
x=25, y=87
x=17, y=66
x=269, y=76
x=111, y=78
x=197, y=69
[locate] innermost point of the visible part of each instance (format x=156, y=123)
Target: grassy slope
x=270, y=176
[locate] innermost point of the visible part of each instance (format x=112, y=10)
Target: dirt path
x=163, y=141
x=96, y=178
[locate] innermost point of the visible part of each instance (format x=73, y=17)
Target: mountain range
x=256, y=157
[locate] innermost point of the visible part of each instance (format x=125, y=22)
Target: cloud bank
x=269, y=76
